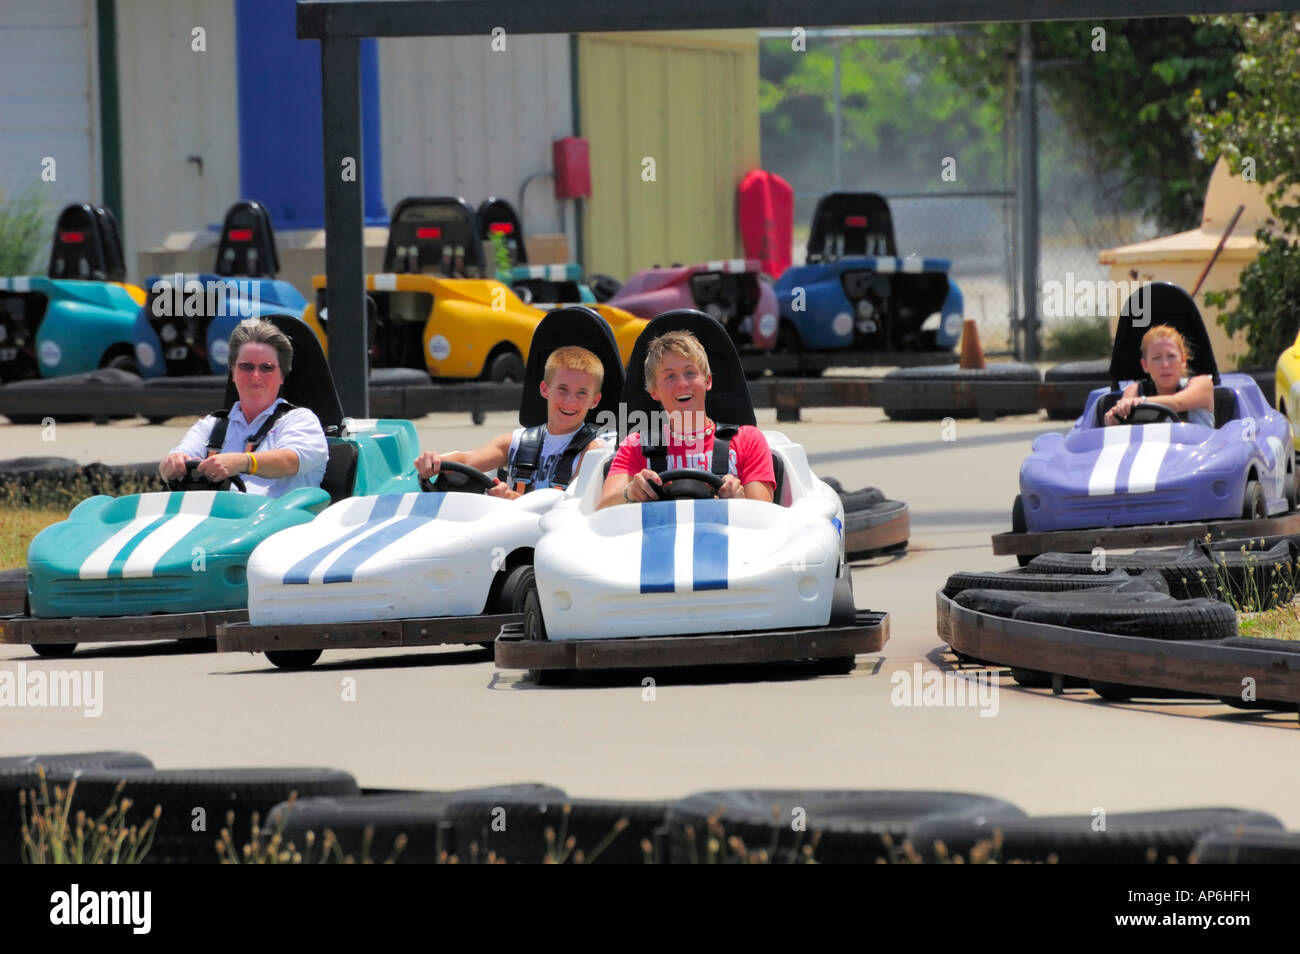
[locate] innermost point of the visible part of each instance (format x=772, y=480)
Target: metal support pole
x=1027, y=204
x=837, y=143
x=345, y=291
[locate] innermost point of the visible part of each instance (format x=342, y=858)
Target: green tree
x=1122, y=88
x=1255, y=130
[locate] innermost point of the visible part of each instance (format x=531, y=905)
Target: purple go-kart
x=1077, y=490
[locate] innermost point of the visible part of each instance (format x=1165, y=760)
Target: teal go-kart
x=80, y=315
x=184, y=327
x=172, y=565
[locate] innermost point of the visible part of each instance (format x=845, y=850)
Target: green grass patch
x=1282, y=622
x=1078, y=339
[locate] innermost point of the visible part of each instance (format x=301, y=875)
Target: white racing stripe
x=684, y=547
x=714, y=266
x=195, y=508
x=149, y=509
x=884, y=266
x=323, y=567
x=22, y=283
x=1146, y=465
x=1106, y=470
x=555, y=273
x=385, y=281
x=738, y=265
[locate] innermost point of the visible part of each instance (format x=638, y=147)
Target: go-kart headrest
x=573, y=325
x=87, y=245
x=310, y=383
x=1159, y=303
x=851, y=224
x=247, y=244
x=498, y=215
x=727, y=402
x=425, y=233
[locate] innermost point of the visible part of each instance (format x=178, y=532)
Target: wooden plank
x=365, y=634
x=888, y=534
x=1198, y=667
x=1123, y=538
x=115, y=629
x=867, y=636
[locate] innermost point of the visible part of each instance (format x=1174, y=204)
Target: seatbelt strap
x=217, y=439
x=528, y=454
x=722, y=435
x=577, y=444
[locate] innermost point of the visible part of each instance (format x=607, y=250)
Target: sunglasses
x=248, y=367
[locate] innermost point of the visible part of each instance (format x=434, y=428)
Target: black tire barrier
x=930, y=392
x=1093, y=371
x=1127, y=838
x=1248, y=846
x=608, y=832
x=1009, y=603
x=1182, y=620
x=1229, y=570
x=420, y=816
x=864, y=499
x=1037, y=582
x=20, y=773
x=41, y=481
x=181, y=793
x=849, y=827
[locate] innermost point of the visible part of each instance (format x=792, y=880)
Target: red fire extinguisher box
x=572, y=159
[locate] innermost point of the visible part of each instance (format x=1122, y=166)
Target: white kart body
x=399, y=556
x=672, y=568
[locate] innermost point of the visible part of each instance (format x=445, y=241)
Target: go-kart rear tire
x=1020, y=525
x=843, y=609
x=535, y=628
x=293, y=658
x=54, y=650
x=514, y=590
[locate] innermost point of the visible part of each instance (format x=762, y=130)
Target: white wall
x=462, y=119
x=176, y=103
x=48, y=105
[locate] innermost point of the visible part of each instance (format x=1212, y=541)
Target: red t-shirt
x=749, y=456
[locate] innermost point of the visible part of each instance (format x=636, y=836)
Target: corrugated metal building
x=451, y=115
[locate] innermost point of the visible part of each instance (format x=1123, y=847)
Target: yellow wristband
x=252, y=463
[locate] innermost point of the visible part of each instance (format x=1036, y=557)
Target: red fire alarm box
x=572, y=160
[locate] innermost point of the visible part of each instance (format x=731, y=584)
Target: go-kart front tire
x=1020, y=525
x=1253, y=506
x=293, y=658
x=54, y=650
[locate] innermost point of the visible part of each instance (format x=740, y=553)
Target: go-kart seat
x=340, y=471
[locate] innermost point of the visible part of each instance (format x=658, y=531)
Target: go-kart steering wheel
x=469, y=480
x=1150, y=412
x=196, y=481
x=691, y=484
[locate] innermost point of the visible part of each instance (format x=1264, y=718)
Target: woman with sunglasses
x=274, y=448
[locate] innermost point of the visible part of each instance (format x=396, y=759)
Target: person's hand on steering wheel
x=731, y=487
x=503, y=491
x=173, y=466
x=1123, y=407
x=219, y=467
x=642, y=487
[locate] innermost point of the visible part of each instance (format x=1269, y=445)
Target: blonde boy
x=677, y=375
x=571, y=385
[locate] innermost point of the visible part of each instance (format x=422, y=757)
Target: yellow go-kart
x=1286, y=393
x=436, y=311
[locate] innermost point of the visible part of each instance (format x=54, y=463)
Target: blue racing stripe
x=425, y=509
x=301, y=571
x=658, y=537
x=173, y=507
x=710, y=545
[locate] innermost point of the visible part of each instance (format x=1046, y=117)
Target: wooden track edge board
x=1203, y=667
x=1147, y=535
x=888, y=534
x=868, y=635
x=116, y=629
x=368, y=634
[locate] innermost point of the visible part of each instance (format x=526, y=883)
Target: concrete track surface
x=446, y=718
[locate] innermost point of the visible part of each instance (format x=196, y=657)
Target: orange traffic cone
x=972, y=355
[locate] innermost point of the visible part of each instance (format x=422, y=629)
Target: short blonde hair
x=681, y=343
x=1167, y=333
x=573, y=358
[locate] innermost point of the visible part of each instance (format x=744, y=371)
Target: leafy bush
x=1078, y=340
x=23, y=229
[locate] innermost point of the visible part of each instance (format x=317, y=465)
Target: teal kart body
x=187, y=551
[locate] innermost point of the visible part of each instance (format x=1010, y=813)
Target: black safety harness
x=528, y=455
x=719, y=464
x=217, y=439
